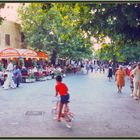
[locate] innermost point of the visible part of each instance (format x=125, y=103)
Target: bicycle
x=66, y=115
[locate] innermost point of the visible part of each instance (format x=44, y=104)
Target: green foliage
x=115, y=18
x=122, y=52
x=131, y=51
x=53, y=28
x=22, y=62
x=64, y=29
x=121, y=23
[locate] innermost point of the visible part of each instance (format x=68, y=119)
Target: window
x=7, y=40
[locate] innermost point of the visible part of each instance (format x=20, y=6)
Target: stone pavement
x=99, y=110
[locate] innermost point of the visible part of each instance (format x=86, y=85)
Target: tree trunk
x=113, y=58
x=114, y=64
x=53, y=57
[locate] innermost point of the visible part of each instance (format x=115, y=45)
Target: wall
x=14, y=30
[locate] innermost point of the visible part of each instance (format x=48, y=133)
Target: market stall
x=26, y=59
x=8, y=54
x=5, y=55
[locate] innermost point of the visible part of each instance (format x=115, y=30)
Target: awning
x=42, y=54
x=24, y=53
x=27, y=53
x=9, y=53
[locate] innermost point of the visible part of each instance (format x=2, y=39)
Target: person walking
x=9, y=80
x=91, y=67
x=82, y=68
x=136, y=81
x=74, y=68
x=17, y=75
x=120, y=78
x=103, y=66
x=110, y=72
x=87, y=67
x=131, y=78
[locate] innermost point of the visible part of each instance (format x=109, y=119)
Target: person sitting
x=24, y=73
x=34, y=69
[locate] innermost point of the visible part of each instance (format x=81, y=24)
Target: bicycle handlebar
x=56, y=99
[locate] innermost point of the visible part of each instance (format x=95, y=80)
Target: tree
x=53, y=28
x=120, y=22
x=107, y=19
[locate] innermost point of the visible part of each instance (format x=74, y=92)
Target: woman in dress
x=120, y=78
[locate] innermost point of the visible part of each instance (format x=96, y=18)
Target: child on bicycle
x=62, y=90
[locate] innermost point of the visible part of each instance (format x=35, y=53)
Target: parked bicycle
x=66, y=116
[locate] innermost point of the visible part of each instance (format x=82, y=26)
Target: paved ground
x=99, y=110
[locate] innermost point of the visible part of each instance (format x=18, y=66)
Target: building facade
x=11, y=35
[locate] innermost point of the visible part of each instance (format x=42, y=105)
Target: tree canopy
x=64, y=29
x=53, y=28
x=121, y=23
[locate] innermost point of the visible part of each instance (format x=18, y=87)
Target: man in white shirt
x=136, y=81
x=10, y=67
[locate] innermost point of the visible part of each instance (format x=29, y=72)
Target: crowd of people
x=13, y=75
x=132, y=71
x=88, y=66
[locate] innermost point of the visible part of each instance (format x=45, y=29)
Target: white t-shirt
x=136, y=73
x=10, y=67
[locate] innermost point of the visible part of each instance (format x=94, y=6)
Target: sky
x=9, y=12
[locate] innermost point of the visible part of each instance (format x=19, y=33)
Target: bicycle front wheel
x=68, y=121
x=54, y=113
x=69, y=124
